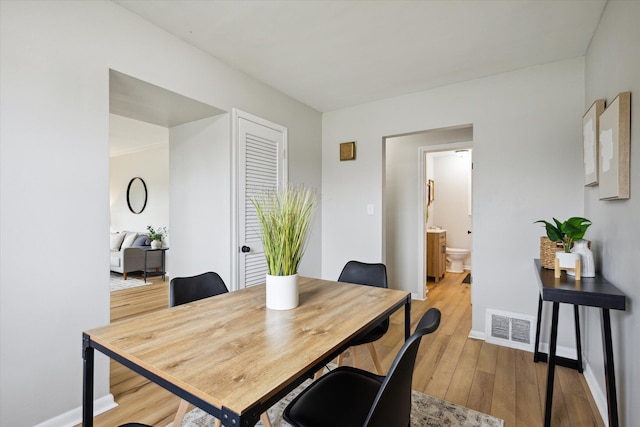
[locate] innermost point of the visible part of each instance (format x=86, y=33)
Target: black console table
x=590, y=292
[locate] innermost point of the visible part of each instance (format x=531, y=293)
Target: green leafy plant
x=156, y=234
x=285, y=221
x=566, y=232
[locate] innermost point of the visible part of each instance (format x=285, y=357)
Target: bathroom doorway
x=447, y=204
x=404, y=218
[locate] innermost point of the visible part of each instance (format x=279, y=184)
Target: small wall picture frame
x=431, y=191
x=590, y=137
x=614, y=141
x=348, y=151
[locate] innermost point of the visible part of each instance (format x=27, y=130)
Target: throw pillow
x=116, y=240
x=142, y=240
x=129, y=239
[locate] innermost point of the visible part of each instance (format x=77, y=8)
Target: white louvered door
x=261, y=166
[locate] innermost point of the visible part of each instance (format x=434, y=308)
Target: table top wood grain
x=231, y=351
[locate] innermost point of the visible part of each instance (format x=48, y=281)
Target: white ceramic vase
x=588, y=266
x=282, y=292
x=156, y=244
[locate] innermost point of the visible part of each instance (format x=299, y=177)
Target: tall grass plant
x=285, y=222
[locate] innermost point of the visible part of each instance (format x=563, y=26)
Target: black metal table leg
x=163, y=269
x=609, y=372
x=576, y=318
x=144, y=270
x=407, y=318
x=551, y=367
x=537, y=356
x=87, y=382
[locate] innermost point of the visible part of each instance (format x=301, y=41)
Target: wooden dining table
x=231, y=356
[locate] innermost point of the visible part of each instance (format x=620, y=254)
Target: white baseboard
x=568, y=352
x=414, y=296
x=74, y=416
x=476, y=335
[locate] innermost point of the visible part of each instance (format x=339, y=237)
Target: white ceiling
x=334, y=54
x=139, y=100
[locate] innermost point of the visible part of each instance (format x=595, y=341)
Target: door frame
x=237, y=114
x=422, y=226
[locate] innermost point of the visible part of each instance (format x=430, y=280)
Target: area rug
x=426, y=411
x=118, y=283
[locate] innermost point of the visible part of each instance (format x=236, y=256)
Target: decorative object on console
x=614, y=137
x=566, y=232
x=285, y=222
x=156, y=236
x=548, y=251
x=588, y=266
x=590, y=141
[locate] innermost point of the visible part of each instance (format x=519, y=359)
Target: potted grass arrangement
x=285, y=219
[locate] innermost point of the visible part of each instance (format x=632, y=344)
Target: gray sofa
x=127, y=256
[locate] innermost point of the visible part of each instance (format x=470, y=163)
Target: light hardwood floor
x=496, y=380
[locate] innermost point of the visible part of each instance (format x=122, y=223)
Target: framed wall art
x=590, y=132
x=347, y=151
x=614, y=140
x=431, y=191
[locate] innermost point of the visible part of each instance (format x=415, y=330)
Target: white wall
x=613, y=66
x=200, y=191
x=527, y=166
x=153, y=167
x=54, y=180
x=402, y=208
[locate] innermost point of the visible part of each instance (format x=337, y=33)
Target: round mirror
x=137, y=195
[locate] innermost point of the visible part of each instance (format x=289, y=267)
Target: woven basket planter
x=548, y=251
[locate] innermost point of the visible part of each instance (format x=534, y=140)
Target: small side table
x=162, y=268
x=589, y=292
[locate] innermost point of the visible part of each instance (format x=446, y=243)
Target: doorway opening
x=405, y=198
x=448, y=210
x=141, y=119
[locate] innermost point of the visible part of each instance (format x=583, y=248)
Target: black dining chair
x=183, y=290
x=352, y=397
x=361, y=273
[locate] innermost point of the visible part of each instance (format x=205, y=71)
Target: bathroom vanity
x=436, y=253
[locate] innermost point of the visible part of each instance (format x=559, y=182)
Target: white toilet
x=455, y=258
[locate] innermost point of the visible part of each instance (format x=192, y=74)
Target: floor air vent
x=510, y=329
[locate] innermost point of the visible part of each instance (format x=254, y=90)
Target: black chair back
x=187, y=289
x=392, y=406
x=362, y=273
